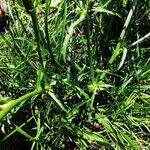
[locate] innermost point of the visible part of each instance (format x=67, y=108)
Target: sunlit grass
x=75, y=75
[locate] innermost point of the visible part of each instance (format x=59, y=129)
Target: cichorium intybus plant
x=83, y=80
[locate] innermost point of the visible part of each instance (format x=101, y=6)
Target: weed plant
x=75, y=75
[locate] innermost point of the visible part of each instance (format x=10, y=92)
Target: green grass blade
x=20, y=130
x=123, y=58
x=103, y=10
x=63, y=31
x=15, y=130
x=95, y=137
x=129, y=140
x=70, y=33
x=57, y=101
x=122, y=35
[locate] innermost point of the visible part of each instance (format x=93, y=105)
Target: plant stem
x=48, y=2
x=88, y=47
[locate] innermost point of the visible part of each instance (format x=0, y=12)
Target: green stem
x=28, y=4
x=88, y=47
x=63, y=31
x=48, y=2
x=36, y=31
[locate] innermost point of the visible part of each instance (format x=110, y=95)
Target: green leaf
x=123, y=58
x=95, y=137
x=19, y=129
x=70, y=33
x=129, y=140
x=8, y=106
x=15, y=130
x=103, y=10
x=57, y=101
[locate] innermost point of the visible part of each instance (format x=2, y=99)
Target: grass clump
x=75, y=75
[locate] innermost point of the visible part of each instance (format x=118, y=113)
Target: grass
x=75, y=75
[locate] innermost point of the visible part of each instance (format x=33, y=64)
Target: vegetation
x=75, y=75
